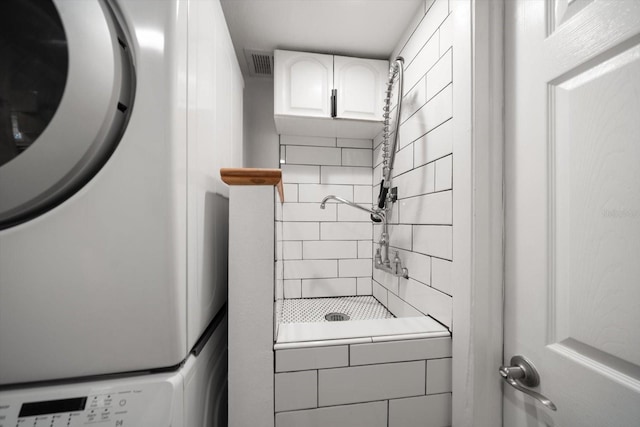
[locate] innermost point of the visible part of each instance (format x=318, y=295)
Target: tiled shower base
x=314, y=309
x=372, y=371
x=302, y=323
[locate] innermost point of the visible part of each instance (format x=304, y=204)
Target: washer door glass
x=66, y=92
x=33, y=72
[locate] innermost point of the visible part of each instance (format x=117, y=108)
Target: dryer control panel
x=124, y=406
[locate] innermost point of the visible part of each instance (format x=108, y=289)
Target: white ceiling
x=361, y=28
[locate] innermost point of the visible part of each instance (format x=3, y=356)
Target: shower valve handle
x=382, y=196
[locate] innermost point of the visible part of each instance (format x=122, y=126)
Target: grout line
x=427, y=103
x=395, y=362
x=424, y=165
x=425, y=376
x=373, y=401
x=345, y=404
x=388, y=411
x=431, y=271
x=401, y=51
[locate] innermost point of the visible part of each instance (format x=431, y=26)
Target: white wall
x=261, y=140
x=398, y=383
x=214, y=126
x=421, y=222
x=250, y=311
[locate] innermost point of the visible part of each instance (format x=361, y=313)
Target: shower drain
x=336, y=317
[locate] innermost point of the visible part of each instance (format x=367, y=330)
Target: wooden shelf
x=253, y=176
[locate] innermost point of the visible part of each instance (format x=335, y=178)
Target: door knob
x=522, y=374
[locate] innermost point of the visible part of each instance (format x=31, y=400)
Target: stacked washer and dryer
x=115, y=116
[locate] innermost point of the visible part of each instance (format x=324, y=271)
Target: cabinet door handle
x=334, y=102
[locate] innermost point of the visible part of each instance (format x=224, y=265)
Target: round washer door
x=67, y=83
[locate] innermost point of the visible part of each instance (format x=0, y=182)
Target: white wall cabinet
x=303, y=83
x=359, y=85
x=326, y=95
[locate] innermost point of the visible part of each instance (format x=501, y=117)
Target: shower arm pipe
x=378, y=214
x=398, y=67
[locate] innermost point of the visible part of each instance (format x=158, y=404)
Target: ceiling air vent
x=260, y=63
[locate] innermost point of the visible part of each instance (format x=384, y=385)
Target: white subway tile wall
x=400, y=308
x=300, y=359
x=292, y=288
x=372, y=414
x=334, y=287
x=356, y=384
x=316, y=192
x=422, y=411
x=397, y=351
x=345, y=230
x=421, y=226
x=363, y=286
x=439, y=376
x=326, y=252
x=296, y=390
x=360, y=384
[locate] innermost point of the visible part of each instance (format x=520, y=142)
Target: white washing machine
x=192, y=396
x=113, y=219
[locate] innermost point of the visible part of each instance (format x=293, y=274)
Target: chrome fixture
x=522, y=374
x=376, y=213
x=394, y=267
x=336, y=317
x=389, y=152
x=387, y=195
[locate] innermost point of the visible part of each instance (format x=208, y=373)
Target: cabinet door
x=302, y=84
x=360, y=85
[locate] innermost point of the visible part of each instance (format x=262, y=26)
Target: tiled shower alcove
x=373, y=371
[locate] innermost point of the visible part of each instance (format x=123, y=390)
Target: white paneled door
x=572, y=179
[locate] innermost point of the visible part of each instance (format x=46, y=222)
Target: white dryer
x=193, y=396
x=113, y=221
